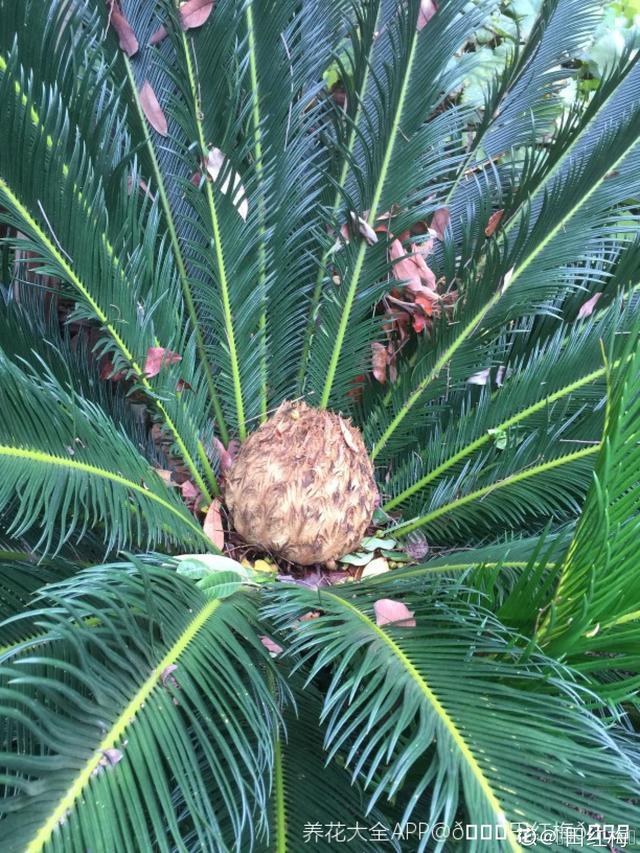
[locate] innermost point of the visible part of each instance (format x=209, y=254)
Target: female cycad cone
x=302, y=486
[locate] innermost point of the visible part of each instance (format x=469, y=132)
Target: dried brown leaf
x=157, y=357
x=494, y=221
x=193, y=14
x=364, y=229
x=390, y=612
x=428, y=8
x=212, y=525
x=273, y=648
x=379, y=359
x=440, y=222
x=586, y=309
x=348, y=437
x=126, y=36
x=152, y=109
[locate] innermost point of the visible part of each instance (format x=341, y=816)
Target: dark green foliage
x=139, y=706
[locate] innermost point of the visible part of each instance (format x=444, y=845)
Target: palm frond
x=68, y=466
x=453, y=696
x=165, y=692
x=593, y=615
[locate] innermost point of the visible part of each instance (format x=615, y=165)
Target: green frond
x=595, y=607
x=67, y=466
x=165, y=693
x=454, y=698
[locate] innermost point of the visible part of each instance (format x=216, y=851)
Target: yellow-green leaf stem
x=484, y=439
x=37, y=122
x=119, y=727
x=445, y=718
x=218, y=250
x=373, y=213
x=41, y=458
x=404, y=528
x=74, y=279
x=335, y=209
x=259, y=164
x=182, y=270
x=280, y=807
x=507, y=284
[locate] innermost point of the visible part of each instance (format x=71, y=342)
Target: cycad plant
x=273, y=292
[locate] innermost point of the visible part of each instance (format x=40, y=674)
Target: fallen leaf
x=126, y=36
x=494, y=221
x=273, y=648
x=143, y=185
x=152, y=109
x=157, y=357
x=379, y=357
x=214, y=164
x=189, y=492
x=364, y=229
x=167, y=677
x=390, y=612
x=109, y=758
x=412, y=269
x=212, y=525
x=440, y=222
x=586, y=309
x=376, y=567
x=428, y=8
x=193, y=14
x=480, y=378
x=165, y=475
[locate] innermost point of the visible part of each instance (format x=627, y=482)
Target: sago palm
x=271, y=287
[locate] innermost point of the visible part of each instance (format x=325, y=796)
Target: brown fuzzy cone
x=302, y=486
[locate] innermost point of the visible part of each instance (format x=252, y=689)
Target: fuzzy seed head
x=302, y=486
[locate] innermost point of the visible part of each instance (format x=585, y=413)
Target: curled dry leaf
x=189, y=492
x=480, y=378
x=412, y=268
x=109, y=758
x=417, y=548
x=126, y=36
x=212, y=525
x=428, y=8
x=157, y=357
x=232, y=185
x=379, y=358
x=586, y=309
x=390, y=612
x=494, y=221
x=152, y=109
x=193, y=14
x=440, y=222
x=167, y=677
x=364, y=229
